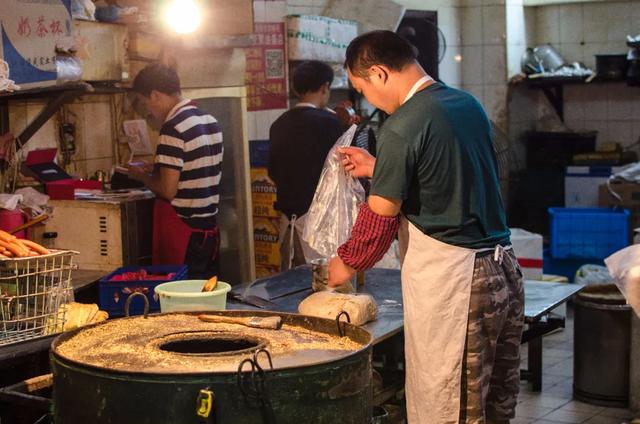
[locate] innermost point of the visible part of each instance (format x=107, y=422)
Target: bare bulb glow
x=183, y=16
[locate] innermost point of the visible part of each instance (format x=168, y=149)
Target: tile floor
x=554, y=404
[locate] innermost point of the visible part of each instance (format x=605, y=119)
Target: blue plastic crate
x=114, y=294
x=588, y=232
x=259, y=153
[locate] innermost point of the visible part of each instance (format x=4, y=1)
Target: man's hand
x=358, y=162
x=163, y=182
x=138, y=171
x=339, y=272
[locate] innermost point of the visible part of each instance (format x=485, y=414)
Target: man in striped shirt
x=186, y=174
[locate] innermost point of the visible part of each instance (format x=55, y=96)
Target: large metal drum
x=602, y=342
x=168, y=368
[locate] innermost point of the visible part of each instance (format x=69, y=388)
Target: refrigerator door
x=228, y=105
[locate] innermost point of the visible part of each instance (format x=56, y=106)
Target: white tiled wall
x=613, y=109
x=578, y=32
x=484, y=54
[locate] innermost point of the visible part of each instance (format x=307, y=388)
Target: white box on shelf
x=104, y=50
x=581, y=184
x=528, y=249
x=313, y=37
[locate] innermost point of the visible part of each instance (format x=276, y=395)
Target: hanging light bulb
x=183, y=16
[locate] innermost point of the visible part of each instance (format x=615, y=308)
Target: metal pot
x=237, y=382
x=611, y=66
x=529, y=63
x=548, y=57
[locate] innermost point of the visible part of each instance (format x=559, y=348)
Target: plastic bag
x=624, y=267
x=334, y=208
x=591, y=274
x=69, y=68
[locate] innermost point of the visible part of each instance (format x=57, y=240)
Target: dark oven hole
x=210, y=345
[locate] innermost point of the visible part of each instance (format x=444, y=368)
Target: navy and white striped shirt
x=191, y=142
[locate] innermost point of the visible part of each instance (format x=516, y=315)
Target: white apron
x=436, y=289
x=297, y=223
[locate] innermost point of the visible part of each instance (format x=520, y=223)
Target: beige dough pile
x=361, y=308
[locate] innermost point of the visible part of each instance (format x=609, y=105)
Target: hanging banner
x=29, y=30
x=265, y=75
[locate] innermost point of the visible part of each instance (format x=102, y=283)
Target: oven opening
x=210, y=344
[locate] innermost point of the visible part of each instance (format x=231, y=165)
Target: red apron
x=170, y=235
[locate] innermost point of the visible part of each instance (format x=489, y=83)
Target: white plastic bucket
x=187, y=295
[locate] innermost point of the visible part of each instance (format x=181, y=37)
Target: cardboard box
x=144, y=45
x=265, y=239
x=528, y=249
x=40, y=165
x=224, y=68
x=312, y=37
x=104, y=56
x=29, y=31
x=581, y=184
x=263, y=193
x=228, y=17
x=66, y=189
x=263, y=271
x=629, y=194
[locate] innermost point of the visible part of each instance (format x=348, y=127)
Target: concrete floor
x=554, y=404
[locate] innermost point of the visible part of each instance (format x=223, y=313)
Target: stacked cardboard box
x=266, y=221
x=629, y=194
x=528, y=249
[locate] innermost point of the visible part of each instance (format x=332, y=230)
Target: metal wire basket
x=31, y=292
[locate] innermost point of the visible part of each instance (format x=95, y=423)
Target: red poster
x=265, y=72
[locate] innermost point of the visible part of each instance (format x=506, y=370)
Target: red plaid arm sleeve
x=371, y=236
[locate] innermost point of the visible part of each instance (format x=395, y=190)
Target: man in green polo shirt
x=434, y=183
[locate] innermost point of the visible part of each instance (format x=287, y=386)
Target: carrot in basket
x=13, y=248
x=34, y=246
x=6, y=237
x=18, y=242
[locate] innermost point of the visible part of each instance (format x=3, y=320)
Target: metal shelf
x=60, y=94
x=553, y=88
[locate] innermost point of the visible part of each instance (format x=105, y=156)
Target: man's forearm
x=371, y=236
x=154, y=183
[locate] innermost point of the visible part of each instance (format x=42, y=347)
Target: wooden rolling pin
x=267, y=323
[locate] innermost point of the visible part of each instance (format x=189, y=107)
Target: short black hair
x=378, y=48
x=159, y=77
x=309, y=76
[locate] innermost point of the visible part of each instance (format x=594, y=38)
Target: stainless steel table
x=541, y=297
x=286, y=290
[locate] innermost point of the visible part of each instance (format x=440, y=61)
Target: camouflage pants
x=491, y=368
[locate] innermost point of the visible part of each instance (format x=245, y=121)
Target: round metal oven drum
x=175, y=368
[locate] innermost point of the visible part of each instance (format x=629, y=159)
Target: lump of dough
x=361, y=308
